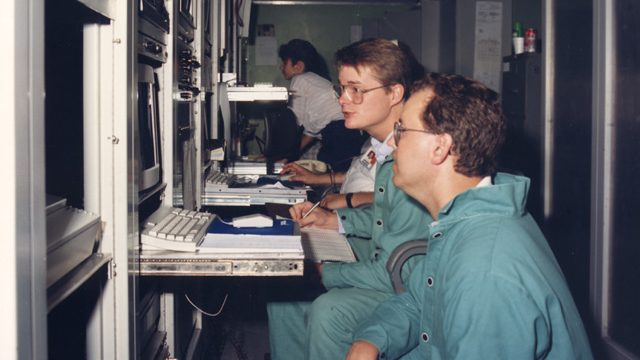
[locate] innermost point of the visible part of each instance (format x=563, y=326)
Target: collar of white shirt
x=381, y=148
x=486, y=181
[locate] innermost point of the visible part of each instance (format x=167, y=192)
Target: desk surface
x=231, y=258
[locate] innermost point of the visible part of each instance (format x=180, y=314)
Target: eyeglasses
x=354, y=93
x=398, y=129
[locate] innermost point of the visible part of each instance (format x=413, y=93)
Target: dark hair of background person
x=391, y=63
x=417, y=69
x=302, y=50
x=471, y=113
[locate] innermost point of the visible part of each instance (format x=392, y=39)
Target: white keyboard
x=221, y=179
x=175, y=229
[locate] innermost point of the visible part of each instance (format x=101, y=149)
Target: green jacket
x=391, y=220
x=488, y=288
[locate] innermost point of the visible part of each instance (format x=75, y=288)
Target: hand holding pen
x=312, y=208
x=313, y=215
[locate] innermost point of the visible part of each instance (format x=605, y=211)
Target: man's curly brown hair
x=471, y=113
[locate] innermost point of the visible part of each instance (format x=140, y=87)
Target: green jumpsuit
x=488, y=288
x=323, y=329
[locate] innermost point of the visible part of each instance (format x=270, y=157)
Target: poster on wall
x=488, y=44
x=266, y=45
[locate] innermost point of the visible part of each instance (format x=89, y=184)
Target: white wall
x=8, y=340
x=22, y=223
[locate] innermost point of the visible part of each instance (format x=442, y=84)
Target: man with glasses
x=373, y=77
x=489, y=286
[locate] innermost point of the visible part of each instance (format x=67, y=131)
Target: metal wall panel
x=568, y=118
x=23, y=232
x=624, y=315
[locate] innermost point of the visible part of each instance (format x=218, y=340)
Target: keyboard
x=220, y=179
x=175, y=229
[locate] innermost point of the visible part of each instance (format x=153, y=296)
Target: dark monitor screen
x=148, y=128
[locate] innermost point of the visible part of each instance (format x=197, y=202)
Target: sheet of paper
x=277, y=185
x=234, y=243
x=266, y=50
x=326, y=245
x=488, y=45
x=217, y=154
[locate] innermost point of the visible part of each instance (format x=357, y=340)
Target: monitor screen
x=148, y=128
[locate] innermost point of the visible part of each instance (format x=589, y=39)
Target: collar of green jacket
x=507, y=196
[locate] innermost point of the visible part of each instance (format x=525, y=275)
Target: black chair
x=282, y=135
x=399, y=257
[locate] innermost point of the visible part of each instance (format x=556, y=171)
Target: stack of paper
x=245, y=244
x=326, y=245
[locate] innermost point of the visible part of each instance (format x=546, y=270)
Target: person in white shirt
x=315, y=104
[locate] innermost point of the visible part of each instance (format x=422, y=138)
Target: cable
x=239, y=19
x=325, y=192
x=225, y=222
x=204, y=312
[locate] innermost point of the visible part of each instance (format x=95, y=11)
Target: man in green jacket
x=373, y=77
x=489, y=286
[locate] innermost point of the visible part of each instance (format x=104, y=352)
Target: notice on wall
x=488, y=44
x=266, y=45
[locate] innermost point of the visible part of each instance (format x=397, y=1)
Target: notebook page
x=326, y=245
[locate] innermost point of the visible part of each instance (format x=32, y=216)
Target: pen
x=310, y=210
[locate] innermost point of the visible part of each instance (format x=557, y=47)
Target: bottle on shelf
x=518, y=40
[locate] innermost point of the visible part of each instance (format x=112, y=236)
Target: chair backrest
x=282, y=135
x=399, y=257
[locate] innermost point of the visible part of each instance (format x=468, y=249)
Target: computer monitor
x=149, y=155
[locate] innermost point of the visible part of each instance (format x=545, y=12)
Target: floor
x=241, y=331
x=249, y=343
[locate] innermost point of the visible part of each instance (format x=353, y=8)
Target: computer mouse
x=253, y=220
